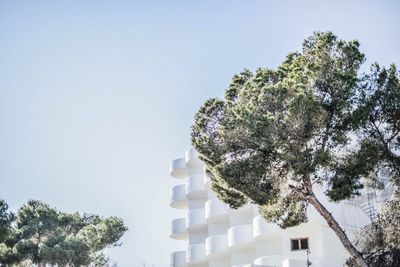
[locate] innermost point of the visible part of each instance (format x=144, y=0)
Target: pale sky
x=96, y=97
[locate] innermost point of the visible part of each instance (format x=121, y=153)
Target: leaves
x=348, y=173
x=286, y=212
x=377, y=116
x=6, y=218
x=278, y=132
x=44, y=235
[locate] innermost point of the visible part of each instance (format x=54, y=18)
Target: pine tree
x=278, y=132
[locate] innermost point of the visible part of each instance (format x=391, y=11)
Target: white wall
x=271, y=246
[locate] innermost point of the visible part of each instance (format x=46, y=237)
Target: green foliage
x=278, y=131
x=361, y=163
x=286, y=212
x=41, y=234
x=377, y=116
x=311, y=121
x=6, y=218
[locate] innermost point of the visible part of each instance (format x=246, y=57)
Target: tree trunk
x=334, y=225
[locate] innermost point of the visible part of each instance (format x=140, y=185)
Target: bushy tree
x=44, y=235
x=278, y=132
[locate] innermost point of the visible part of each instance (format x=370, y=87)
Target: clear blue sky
x=96, y=97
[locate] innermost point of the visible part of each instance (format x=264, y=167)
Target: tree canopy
x=41, y=234
x=313, y=120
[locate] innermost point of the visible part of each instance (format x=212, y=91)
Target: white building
x=217, y=236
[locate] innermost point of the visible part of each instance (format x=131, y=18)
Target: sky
x=97, y=97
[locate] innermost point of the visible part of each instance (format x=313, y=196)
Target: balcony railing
x=192, y=159
x=178, y=229
x=216, y=211
x=178, y=259
x=270, y=260
x=178, y=197
x=178, y=168
x=195, y=187
x=196, y=254
x=264, y=230
x=195, y=220
x=240, y=236
x=217, y=246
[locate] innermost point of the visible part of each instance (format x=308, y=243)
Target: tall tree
x=44, y=235
x=277, y=133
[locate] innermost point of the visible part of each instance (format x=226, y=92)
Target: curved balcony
x=196, y=254
x=216, y=211
x=264, y=230
x=216, y=246
x=270, y=260
x=240, y=236
x=178, y=259
x=178, y=168
x=192, y=159
x=195, y=220
x=178, y=197
x=178, y=229
x=195, y=187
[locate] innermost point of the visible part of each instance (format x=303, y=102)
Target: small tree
x=278, y=132
x=44, y=235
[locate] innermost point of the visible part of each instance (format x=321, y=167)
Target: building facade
x=217, y=236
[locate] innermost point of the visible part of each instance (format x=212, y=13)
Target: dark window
x=299, y=244
x=304, y=243
x=295, y=244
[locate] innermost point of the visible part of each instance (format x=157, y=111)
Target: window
x=299, y=244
